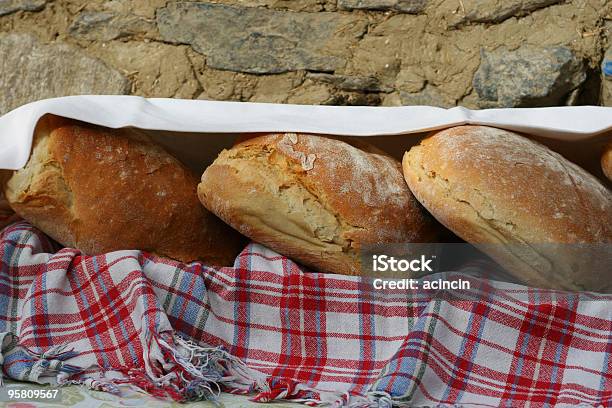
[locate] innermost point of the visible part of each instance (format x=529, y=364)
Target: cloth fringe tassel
x=182, y=370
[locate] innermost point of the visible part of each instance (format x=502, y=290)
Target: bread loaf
x=314, y=199
x=101, y=190
x=606, y=161
x=539, y=215
x=7, y=215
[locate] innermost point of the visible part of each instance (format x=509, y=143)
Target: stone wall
x=474, y=53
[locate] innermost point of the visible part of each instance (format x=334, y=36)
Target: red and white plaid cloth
x=130, y=319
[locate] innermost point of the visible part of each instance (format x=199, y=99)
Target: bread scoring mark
x=21, y=187
x=306, y=160
x=376, y=177
x=293, y=137
x=324, y=224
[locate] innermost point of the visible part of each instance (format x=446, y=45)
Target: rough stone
x=351, y=83
x=155, y=69
x=227, y=85
x=261, y=41
x=140, y=8
x=12, y=6
x=402, y=6
x=377, y=56
x=319, y=93
x=310, y=93
x=429, y=96
x=409, y=81
x=32, y=70
x=107, y=26
x=354, y=99
x=413, y=55
x=495, y=11
x=293, y=5
x=276, y=88
x=528, y=76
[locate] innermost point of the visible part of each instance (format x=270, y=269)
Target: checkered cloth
x=130, y=319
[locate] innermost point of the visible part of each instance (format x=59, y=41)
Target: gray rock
x=107, y=26
x=402, y=6
x=527, y=77
x=350, y=83
x=259, y=41
x=11, y=6
x=429, y=96
x=32, y=70
x=495, y=11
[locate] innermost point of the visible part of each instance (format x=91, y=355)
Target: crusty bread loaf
x=101, y=190
x=606, y=161
x=6, y=212
x=7, y=215
x=315, y=199
x=532, y=210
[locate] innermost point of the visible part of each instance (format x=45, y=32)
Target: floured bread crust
x=314, y=199
x=606, y=161
x=519, y=201
x=101, y=190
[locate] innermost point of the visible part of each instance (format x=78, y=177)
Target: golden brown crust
x=101, y=190
x=606, y=161
x=7, y=215
x=313, y=198
x=492, y=186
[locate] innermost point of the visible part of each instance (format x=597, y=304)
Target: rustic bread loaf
x=101, y=190
x=539, y=215
x=7, y=215
x=606, y=161
x=315, y=199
